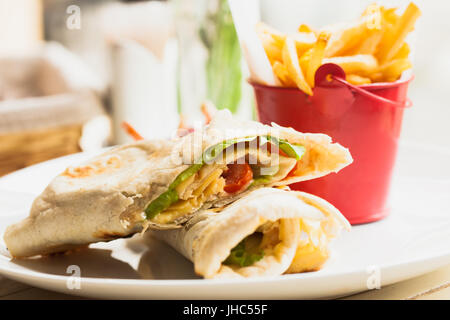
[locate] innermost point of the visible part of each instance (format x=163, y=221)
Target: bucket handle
x=405, y=104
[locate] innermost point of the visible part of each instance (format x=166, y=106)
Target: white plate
x=413, y=240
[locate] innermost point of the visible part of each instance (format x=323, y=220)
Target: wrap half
x=269, y=232
x=161, y=184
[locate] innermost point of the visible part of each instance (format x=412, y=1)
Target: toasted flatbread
x=295, y=230
x=111, y=195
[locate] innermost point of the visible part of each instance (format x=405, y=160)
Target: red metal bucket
x=366, y=119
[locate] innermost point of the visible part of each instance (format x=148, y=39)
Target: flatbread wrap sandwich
x=266, y=233
x=161, y=184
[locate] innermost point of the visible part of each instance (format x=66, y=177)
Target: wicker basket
x=22, y=149
x=45, y=100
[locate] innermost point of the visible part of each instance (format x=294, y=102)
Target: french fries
x=317, y=54
x=282, y=73
x=403, y=53
x=370, y=44
x=360, y=64
x=305, y=28
x=290, y=60
x=392, y=70
x=402, y=27
x=303, y=42
x=357, y=80
x=369, y=49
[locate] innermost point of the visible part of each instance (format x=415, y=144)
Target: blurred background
x=72, y=71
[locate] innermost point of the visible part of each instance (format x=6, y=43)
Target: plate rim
x=206, y=282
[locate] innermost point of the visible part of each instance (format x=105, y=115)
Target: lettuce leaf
x=212, y=152
x=295, y=151
x=245, y=255
x=260, y=180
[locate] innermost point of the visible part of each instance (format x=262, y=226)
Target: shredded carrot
x=183, y=129
x=208, y=109
x=206, y=112
x=131, y=131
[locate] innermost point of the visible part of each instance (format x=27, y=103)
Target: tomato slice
x=237, y=176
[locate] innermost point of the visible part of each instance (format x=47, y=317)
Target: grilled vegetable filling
x=203, y=181
x=263, y=242
x=247, y=252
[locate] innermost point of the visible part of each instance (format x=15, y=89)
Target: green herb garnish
x=247, y=252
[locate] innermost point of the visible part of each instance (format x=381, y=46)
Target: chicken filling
x=208, y=181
